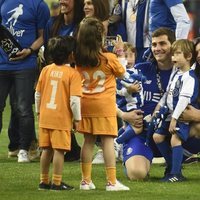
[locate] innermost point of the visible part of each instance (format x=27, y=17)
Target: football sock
x=111, y=174
x=56, y=179
x=177, y=157
x=166, y=152
x=86, y=169
x=44, y=178
x=126, y=135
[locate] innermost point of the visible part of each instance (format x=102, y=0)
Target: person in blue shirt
x=66, y=23
x=157, y=74
x=71, y=13
x=137, y=154
x=26, y=22
x=170, y=14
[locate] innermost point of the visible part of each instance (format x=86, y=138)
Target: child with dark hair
x=57, y=104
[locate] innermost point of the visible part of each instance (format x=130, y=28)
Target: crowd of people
x=134, y=54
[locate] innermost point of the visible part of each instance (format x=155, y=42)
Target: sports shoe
x=44, y=186
x=62, y=186
x=34, y=154
x=116, y=187
x=13, y=153
x=34, y=151
x=98, y=158
x=166, y=174
x=158, y=160
x=193, y=159
x=23, y=156
x=118, y=151
x=176, y=178
x=87, y=186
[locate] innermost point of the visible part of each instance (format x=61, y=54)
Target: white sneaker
x=23, y=156
x=158, y=160
x=118, y=151
x=13, y=153
x=87, y=186
x=116, y=187
x=98, y=158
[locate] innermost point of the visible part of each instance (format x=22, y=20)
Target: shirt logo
x=129, y=151
x=16, y=12
x=148, y=82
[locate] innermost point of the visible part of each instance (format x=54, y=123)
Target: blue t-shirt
x=23, y=19
x=63, y=31
x=151, y=90
x=160, y=15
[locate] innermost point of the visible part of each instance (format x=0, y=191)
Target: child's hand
x=118, y=46
x=172, y=126
x=75, y=125
x=118, y=43
x=134, y=88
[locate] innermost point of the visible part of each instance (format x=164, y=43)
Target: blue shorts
x=136, y=146
x=183, y=132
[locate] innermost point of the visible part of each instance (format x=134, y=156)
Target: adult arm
x=134, y=117
x=182, y=21
x=34, y=47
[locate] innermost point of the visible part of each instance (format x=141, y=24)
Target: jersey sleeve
x=117, y=68
x=75, y=84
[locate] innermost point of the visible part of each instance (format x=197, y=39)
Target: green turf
x=20, y=181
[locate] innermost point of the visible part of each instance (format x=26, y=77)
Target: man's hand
x=21, y=54
x=190, y=114
x=134, y=117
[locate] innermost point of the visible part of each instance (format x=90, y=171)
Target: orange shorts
x=56, y=139
x=98, y=125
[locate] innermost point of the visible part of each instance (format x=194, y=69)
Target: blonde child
x=182, y=91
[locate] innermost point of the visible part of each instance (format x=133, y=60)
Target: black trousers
x=21, y=82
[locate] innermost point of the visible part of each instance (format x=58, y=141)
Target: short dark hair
x=59, y=49
x=165, y=31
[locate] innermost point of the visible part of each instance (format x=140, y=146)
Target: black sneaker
x=193, y=159
x=62, y=186
x=176, y=178
x=166, y=174
x=44, y=186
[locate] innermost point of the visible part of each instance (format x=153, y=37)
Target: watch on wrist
x=32, y=51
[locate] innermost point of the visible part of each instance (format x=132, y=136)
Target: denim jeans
x=22, y=82
x=13, y=128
